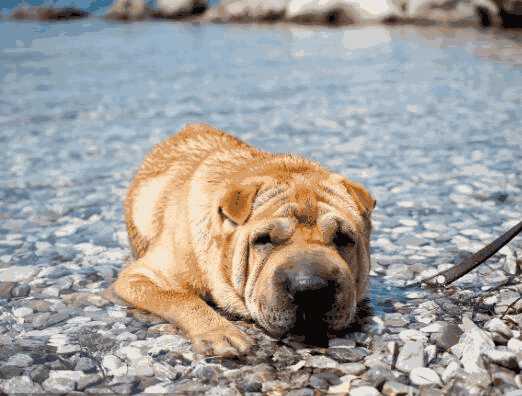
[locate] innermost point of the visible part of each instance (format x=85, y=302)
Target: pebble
x=411, y=355
x=17, y=273
x=20, y=360
x=6, y=289
x=378, y=375
x=498, y=326
x=424, y=376
x=473, y=343
x=394, y=388
x=39, y=374
x=364, y=391
x=348, y=355
x=448, y=337
x=114, y=365
x=86, y=365
x=506, y=359
x=515, y=345
x=20, y=385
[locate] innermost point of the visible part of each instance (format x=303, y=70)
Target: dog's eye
x=262, y=239
x=342, y=239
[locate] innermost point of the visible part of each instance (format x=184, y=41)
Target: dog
x=273, y=238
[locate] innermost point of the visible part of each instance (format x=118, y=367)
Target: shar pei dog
x=273, y=238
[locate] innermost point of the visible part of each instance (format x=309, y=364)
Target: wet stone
x=378, y=375
x=424, y=376
x=6, y=289
x=88, y=380
x=301, y=392
x=394, y=388
x=324, y=380
x=411, y=355
x=86, y=365
x=21, y=290
x=448, y=337
x=347, y=355
x=39, y=374
x=8, y=371
x=20, y=385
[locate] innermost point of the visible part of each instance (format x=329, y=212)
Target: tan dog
x=270, y=237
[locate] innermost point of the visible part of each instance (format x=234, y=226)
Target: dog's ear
x=236, y=204
x=363, y=199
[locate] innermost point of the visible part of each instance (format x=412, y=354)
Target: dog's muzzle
x=311, y=288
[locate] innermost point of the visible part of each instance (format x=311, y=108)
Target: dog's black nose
x=306, y=284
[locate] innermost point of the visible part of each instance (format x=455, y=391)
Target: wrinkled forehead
x=305, y=201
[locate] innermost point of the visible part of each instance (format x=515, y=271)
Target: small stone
x=353, y=368
x=114, y=365
x=6, y=289
x=364, y=391
x=474, y=342
x=39, y=374
x=88, y=380
x=412, y=335
x=59, y=385
x=394, y=388
x=8, y=371
x=21, y=290
x=22, y=384
x=498, y=326
x=410, y=356
x=450, y=371
x=395, y=320
x=378, y=375
x=17, y=274
x=506, y=359
x=431, y=353
x=341, y=343
x=20, y=360
x=324, y=380
x=321, y=362
x=448, y=337
x=437, y=327
x=424, y=376
x=301, y=392
x=346, y=355
x=22, y=311
x=515, y=345
x=86, y=365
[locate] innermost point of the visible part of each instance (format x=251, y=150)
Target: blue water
x=414, y=114
x=97, y=7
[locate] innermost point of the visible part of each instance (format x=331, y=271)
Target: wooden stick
x=446, y=277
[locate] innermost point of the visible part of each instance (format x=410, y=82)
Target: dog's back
x=171, y=161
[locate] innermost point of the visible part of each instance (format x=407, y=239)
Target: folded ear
x=364, y=201
x=236, y=204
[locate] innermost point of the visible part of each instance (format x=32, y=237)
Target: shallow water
x=428, y=119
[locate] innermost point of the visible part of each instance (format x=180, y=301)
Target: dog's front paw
x=225, y=341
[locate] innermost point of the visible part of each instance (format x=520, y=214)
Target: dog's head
x=296, y=243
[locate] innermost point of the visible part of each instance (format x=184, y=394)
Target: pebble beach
x=427, y=118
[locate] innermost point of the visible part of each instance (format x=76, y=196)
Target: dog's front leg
x=211, y=333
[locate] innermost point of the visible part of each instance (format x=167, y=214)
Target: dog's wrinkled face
x=298, y=249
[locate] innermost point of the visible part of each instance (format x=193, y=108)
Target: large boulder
x=128, y=10
x=452, y=12
x=48, y=13
x=342, y=11
x=247, y=11
x=176, y=9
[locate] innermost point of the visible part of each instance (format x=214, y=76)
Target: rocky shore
x=58, y=334
x=485, y=13
x=431, y=128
